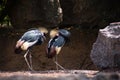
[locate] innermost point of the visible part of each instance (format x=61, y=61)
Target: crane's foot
x=58, y=65
x=31, y=69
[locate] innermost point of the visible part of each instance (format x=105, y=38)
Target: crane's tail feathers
x=18, y=50
x=49, y=56
x=50, y=53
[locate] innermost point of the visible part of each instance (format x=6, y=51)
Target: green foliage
x=2, y=4
x=4, y=18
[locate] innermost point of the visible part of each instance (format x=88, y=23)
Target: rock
x=83, y=13
x=100, y=76
x=74, y=77
x=34, y=13
x=114, y=76
x=106, y=50
x=42, y=76
x=38, y=75
x=106, y=76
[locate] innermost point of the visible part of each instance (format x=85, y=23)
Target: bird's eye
x=44, y=34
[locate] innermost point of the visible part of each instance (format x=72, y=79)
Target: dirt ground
x=75, y=55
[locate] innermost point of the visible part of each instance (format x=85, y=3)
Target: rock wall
x=29, y=13
x=83, y=13
x=90, y=14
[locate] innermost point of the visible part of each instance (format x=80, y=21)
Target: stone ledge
x=58, y=75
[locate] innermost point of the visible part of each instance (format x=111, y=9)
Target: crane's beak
x=44, y=37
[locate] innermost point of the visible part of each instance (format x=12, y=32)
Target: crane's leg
x=30, y=57
x=55, y=61
x=25, y=56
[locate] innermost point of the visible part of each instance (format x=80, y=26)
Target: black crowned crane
x=28, y=40
x=57, y=41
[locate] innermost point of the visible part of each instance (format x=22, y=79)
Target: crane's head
x=62, y=32
x=43, y=30
x=53, y=33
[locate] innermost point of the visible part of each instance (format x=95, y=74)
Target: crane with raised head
x=30, y=38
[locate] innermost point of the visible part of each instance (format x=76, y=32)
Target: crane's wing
x=55, y=43
x=31, y=36
x=59, y=42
